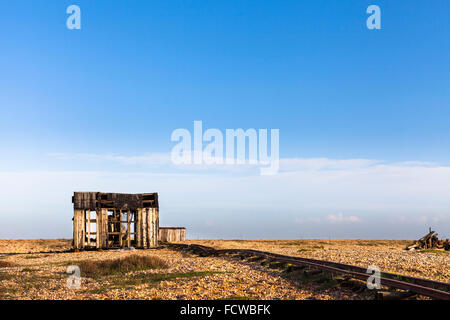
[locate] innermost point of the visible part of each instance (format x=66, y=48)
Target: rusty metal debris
x=430, y=241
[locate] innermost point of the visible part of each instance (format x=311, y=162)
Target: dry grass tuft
x=6, y=264
x=121, y=265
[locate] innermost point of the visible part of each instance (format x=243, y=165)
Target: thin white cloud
x=361, y=190
x=163, y=161
x=340, y=218
x=152, y=159
x=298, y=164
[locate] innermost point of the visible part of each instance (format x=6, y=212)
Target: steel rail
x=420, y=281
x=420, y=286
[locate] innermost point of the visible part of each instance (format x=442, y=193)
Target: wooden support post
x=88, y=220
x=152, y=210
x=120, y=229
x=75, y=230
x=114, y=225
x=128, y=228
x=157, y=225
x=98, y=225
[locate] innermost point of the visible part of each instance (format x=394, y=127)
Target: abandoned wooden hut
x=170, y=234
x=115, y=220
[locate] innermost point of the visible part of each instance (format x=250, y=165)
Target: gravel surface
x=36, y=269
x=388, y=255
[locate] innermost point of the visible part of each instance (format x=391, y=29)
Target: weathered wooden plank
x=82, y=223
x=98, y=234
x=144, y=228
x=138, y=228
x=155, y=210
x=149, y=227
x=87, y=218
x=156, y=232
x=77, y=232
x=157, y=226
x=153, y=217
x=104, y=228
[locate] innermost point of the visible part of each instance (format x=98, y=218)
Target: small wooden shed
x=115, y=220
x=170, y=234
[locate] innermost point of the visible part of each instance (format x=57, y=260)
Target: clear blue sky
x=137, y=70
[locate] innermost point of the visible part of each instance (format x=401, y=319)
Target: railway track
x=426, y=287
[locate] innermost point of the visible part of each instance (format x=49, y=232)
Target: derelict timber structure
x=171, y=234
x=115, y=220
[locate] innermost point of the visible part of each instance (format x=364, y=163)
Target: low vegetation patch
x=131, y=281
x=439, y=251
x=324, y=280
x=237, y=298
x=94, y=269
x=24, y=283
x=155, y=278
x=5, y=276
x=37, y=256
x=312, y=248
x=368, y=243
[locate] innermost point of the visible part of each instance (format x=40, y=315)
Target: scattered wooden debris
x=430, y=241
x=395, y=295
